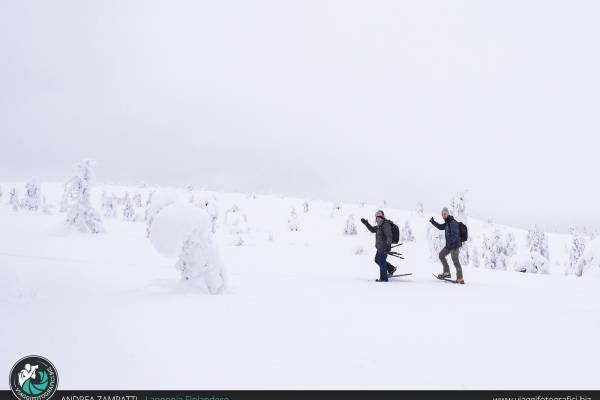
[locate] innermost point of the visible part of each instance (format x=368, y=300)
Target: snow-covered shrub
x=538, y=242
x=76, y=200
x=350, y=228
x=436, y=242
x=129, y=213
x=531, y=262
x=13, y=199
x=495, y=250
x=589, y=263
x=305, y=207
x=293, y=224
x=109, y=205
x=358, y=250
x=406, y=233
x=32, y=198
x=576, y=251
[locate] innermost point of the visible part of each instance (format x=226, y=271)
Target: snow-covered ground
x=301, y=310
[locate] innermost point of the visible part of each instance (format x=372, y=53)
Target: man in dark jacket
x=453, y=243
x=383, y=244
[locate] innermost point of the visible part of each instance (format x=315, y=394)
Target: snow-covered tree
x=32, y=198
x=406, y=233
x=13, y=199
x=129, y=213
x=419, y=210
x=237, y=224
x=137, y=200
x=475, y=258
x=147, y=206
x=210, y=205
x=199, y=262
x=576, y=251
x=305, y=207
x=45, y=206
x=293, y=224
x=510, y=244
x=436, y=242
x=495, y=250
x=589, y=263
x=538, y=242
x=76, y=199
x=536, y=259
x=350, y=228
x=458, y=206
x=109, y=205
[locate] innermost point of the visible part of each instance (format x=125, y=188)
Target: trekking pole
x=396, y=245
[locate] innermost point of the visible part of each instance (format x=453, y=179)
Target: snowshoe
x=398, y=275
x=445, y=275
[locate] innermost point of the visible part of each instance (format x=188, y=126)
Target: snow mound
x=174, y=224
x=532, y=262
x=160, y=199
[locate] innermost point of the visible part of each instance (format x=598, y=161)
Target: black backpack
x=464, y=232
x=395, y=232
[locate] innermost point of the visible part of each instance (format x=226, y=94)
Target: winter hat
x=379, y=213
x=445, y=210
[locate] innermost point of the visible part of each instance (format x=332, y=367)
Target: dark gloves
x=431, y=220
x=364, y=221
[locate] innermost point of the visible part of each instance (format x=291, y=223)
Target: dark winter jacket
x=383, y=235
x=452, y=231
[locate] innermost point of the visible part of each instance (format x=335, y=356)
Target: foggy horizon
x=331, y=100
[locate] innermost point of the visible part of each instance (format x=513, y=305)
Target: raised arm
x=371, y=229
x=441, y=227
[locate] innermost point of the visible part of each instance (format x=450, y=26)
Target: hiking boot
x=379, y=280
x=461, y=281
x=445, y=275
x=391, y=270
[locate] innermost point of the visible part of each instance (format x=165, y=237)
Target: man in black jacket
x=383, y=244
x=453, y=243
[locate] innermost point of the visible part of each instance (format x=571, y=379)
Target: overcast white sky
x=349, y=100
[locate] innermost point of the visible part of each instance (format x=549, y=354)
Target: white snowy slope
x=301, y=310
